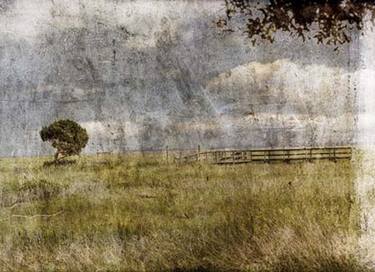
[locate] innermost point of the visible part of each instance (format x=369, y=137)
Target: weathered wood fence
x=269, y=155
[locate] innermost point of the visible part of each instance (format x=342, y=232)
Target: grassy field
x=132, y=213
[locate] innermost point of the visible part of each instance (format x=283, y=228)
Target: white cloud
x=26, y=19
x=285, y=96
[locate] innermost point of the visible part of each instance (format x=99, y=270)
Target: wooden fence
x=269, y=155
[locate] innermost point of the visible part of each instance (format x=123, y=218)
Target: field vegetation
x=139, y=213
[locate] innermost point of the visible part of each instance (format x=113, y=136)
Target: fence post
x=167, y=153
x=269, y=156
x=198, y=152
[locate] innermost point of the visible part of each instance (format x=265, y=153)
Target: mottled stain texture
x=146, y=74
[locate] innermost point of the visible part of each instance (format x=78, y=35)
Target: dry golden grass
x=132, y=213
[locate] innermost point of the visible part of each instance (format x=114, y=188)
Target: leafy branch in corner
x=327, y=21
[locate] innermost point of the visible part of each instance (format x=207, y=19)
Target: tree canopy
x=326, y=21
x=67, y=136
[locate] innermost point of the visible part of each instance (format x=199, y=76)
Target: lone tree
x=67, y=136
x=326, y=21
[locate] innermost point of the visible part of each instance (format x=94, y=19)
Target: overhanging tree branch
x=326, y=21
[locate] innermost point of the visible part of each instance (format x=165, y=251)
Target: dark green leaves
x=68, y=137
x=325, y=21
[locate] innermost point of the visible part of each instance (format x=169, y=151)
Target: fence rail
x=270, y=155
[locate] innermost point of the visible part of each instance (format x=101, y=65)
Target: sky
x=141, y=75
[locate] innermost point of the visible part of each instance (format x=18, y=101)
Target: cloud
x=284, y=87
x=25, y=19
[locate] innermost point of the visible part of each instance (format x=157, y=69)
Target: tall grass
x=131, y=213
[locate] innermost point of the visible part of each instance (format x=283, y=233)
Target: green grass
x=130, y=213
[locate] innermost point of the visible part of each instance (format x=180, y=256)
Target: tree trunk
x=57, y=156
